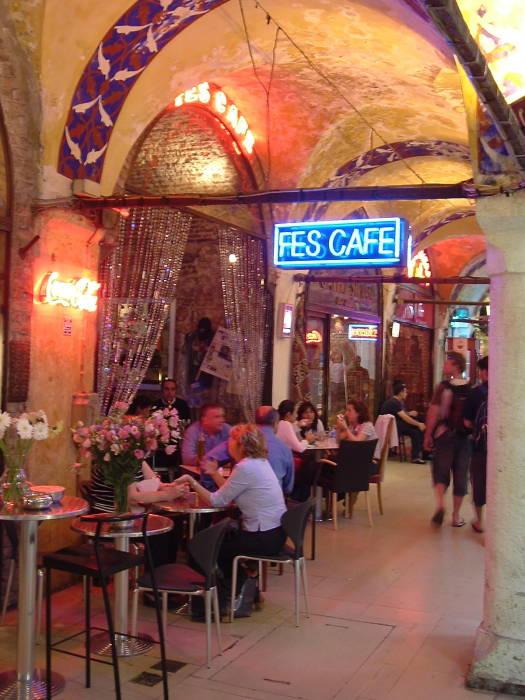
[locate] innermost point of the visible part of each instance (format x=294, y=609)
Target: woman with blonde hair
x=256, y=492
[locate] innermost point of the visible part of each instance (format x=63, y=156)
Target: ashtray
x=38, y=501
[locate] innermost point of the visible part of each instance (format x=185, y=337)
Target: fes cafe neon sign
x=211, y=95
x=77, y=293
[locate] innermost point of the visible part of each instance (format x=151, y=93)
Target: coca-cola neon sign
x=76, y=293
x=216, y=99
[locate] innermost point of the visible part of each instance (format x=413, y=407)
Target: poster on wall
x=218, y=359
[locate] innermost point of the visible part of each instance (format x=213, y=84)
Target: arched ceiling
x=323, y=83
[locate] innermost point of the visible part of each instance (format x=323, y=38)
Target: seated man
x=279, y=454
x=406, y=421
x=203, y=435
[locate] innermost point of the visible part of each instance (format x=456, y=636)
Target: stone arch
x=124, y=53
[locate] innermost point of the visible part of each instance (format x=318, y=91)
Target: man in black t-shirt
x=478, y=461
x=169, y=465
x=405, y=420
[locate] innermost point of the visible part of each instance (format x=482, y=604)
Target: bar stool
x=96, y=561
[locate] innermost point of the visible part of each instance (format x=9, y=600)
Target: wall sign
x=213, y=97
x=351, y=243
x=361, y=331
x=77, y=293
x=285, y=320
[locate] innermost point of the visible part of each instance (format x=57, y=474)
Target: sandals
x=477, y=527
x=458, y=523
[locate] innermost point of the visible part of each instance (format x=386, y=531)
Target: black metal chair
x=294, y=524
x=351, y=474
x=203, y=550
x=95, y=561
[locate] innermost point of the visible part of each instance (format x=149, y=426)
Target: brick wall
x=409, y=358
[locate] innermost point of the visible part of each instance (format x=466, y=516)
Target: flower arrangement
x=118, y=443
x=17, y=435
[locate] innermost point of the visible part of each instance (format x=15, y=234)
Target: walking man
x=475, y=418
x=447, y=436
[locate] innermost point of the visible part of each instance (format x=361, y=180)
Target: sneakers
x=419, y=460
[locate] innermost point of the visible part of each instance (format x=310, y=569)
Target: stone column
x=499, y=656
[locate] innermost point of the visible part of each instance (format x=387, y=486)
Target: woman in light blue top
x=256, y=492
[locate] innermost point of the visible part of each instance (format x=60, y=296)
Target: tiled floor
x=394, y=612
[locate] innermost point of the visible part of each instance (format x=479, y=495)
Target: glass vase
x=14, y=486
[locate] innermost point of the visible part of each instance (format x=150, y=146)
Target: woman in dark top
x=308, y=419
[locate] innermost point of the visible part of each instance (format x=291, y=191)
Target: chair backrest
x=385, y=447
x=204, y=547
x=354, y=465
x=294, y=524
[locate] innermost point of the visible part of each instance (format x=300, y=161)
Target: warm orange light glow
x=419, y=266
x=212, y=95
x=313, y=336
x=77, y=293
x=498, y=27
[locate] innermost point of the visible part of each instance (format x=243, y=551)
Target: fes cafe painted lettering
x=77, y=293
x=351, y=243
x=213, y=97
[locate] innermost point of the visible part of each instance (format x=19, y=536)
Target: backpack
x=480, y=428
x=454, y=419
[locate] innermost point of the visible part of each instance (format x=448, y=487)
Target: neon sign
x=77, y=293
x=211, y=95
x=313, y=337
x=362, y=331
x=419, y=266
x=351, y=243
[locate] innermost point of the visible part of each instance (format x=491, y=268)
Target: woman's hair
x=139, y=403
x=286, y=406
x=303, y=407
x=363, y=415
x=250, y=439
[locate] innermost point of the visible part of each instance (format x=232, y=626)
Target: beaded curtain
x=246, y=313
x=139, y=279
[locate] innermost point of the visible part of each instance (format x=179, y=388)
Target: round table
x=126, y=645
x=28, y=683
x=190, y=505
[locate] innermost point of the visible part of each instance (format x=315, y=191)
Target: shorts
x=478, y=475
x=451, y=455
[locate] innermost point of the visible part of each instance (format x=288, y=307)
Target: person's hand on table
x=173, y=491
x=310, y=436
x=209, y=466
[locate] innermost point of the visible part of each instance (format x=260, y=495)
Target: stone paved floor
x=394, y=612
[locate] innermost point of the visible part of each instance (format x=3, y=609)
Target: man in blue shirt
x=201, y=437
x=279, y=455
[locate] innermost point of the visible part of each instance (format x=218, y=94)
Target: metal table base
x=12, y=689
x=126, y=645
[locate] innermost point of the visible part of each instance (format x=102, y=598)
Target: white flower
x=23, y=428
x=40, y=431
x=5, y=422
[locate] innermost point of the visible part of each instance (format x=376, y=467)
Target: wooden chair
x=377, y=478
x=351, y=475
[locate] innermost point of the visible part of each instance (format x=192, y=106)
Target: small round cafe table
x=27, y=682
x=191, y=506
x=126, y=645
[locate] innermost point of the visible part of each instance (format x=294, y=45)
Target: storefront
x=341, y=329
x=409, y=344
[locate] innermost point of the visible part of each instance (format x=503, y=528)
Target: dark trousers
x=478, y=475
x=416, y=438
